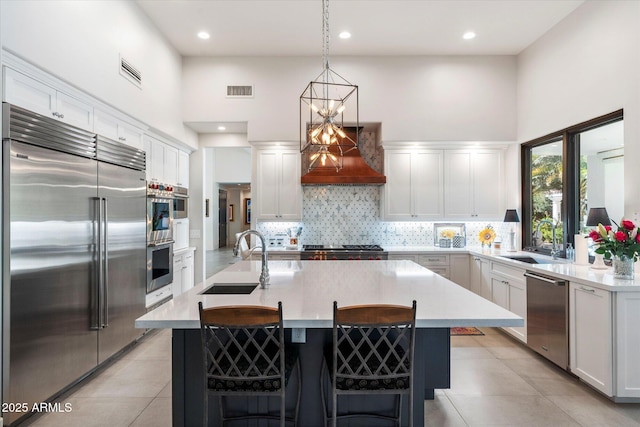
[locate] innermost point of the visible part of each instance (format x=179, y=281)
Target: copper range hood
x=355, y=170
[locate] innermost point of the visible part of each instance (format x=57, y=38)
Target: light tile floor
x=495, y=381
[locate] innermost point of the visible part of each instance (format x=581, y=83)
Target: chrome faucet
x=264, y=274
x=554, y=247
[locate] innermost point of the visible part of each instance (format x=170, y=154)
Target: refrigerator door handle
x=96, y=320
x=105, y=266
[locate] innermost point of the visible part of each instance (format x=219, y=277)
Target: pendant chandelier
x=325, y=104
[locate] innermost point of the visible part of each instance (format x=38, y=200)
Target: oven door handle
x=156, y=244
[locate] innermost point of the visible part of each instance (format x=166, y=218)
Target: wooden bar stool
x=244, y=355
x=372, y=354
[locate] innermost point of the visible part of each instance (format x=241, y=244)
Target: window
x=566, y=173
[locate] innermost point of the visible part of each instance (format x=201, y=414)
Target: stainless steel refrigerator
x=73, y=253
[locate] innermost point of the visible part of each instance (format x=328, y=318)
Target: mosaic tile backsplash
x=336, y=215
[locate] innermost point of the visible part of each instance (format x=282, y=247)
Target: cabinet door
x=74, y=111
x=130, y=135
x=458, y=197
x=28, y=93
x=427, y=185
x=500, y=292
x=290, y=189
x=267, y=185
x=170, y=165
x=590, y=336
x=105, y=124
x=518, y=305
x=475, y=274
x=156, y=163
x=183, y=169
x=488, y=185
x=176, y=285
x=180, y=233
x=459, y=270
x=397, y=190
x=187, y=272
x=485, y=279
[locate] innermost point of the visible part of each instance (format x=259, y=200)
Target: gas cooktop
x=375, y=248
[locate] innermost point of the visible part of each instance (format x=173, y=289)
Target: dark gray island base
x=432, y=371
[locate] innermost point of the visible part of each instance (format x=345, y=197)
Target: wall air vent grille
x=130, y=72
x=237, y=91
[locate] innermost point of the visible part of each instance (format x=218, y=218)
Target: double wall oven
x=160, y=203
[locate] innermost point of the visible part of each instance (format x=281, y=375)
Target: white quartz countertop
x=307, y=290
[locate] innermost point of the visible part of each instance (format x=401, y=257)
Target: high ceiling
x=378, y=27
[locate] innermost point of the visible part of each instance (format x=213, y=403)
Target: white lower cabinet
x=590, y=336
x=459, y=270
x=183, y=278
x=480, y=275
x=509, y=290
x=627, y=344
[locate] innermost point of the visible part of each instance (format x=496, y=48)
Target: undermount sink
x=230, y=288
x=527, y=259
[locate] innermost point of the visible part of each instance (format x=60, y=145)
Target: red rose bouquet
x=625, y=242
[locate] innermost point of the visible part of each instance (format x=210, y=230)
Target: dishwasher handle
x=545, y=279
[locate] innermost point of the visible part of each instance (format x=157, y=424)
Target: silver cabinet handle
x=593, y=291
x=544, y=279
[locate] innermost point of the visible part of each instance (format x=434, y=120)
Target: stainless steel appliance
x=73, y=254
x=159, y=213
x=343, y=252
x=547, y=317
x=159, y=265
x=180, y=202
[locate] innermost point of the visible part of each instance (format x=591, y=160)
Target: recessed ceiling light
x=204, y=35
x=469, y=35
x=345, y=35
x=222, y=128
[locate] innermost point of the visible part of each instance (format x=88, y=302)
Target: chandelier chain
x=326, y=35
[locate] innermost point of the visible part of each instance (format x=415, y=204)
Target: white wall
x=586, y=66
x=81, y=42
x=232, y=165
x=449, y=98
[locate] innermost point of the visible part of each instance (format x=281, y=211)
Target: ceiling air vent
x=130, y=72
x=240, y=91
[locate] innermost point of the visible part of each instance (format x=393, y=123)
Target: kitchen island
x=307, y=290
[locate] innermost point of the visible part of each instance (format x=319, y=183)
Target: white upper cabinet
x=414, y=189
x=38, y=97
x=278, y=188
x=183, y=169
x=170, y=165
x=112, y=127
x=473, y=184
x=162, y=161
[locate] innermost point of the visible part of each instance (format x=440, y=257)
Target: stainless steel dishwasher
x=548, y=317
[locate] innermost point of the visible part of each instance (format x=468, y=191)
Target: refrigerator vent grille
x=240, y=91
x=130, y=72
x=36, y=129
x=120, y=154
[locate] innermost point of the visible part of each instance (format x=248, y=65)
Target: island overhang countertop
x=307, y=290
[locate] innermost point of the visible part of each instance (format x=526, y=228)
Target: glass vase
x=623, y=267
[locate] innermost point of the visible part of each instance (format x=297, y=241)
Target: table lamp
x=512, y=216
x=598, y=216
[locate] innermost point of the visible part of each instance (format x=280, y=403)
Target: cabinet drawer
x=284, y=257
x=440, y=270
x=408, y=257
x=158, y=295
x=431, y=260
x=509, y=272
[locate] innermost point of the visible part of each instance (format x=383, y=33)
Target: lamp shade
x=598, y=216
x=511, y=216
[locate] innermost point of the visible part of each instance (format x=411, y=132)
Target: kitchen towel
x=582, y=249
